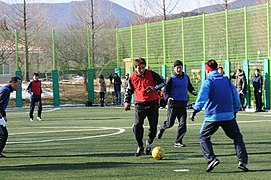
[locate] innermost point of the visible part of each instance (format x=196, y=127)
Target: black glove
x=193, y=114
x=235, y=114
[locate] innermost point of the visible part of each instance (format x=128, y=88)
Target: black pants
x=181, y=114
x=102, y=94
x=3, y=137
x=143, y=110
x=33, y=102
x=231, y=129
x=258, y=98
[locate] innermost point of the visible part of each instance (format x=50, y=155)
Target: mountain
x=233, y=5
x=62, y=14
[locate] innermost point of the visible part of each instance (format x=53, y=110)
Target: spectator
x=117, y=89
x=257, y=82
x=240, y=84
x=221, y=71
x=102, y=89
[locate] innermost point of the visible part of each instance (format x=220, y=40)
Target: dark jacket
x=117, y=83
x=4, y=99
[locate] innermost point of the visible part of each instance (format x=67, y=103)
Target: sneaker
x=38, y=118
x=242, y=166
x=31, y=119
x=139, y=151
x=212, y=165
x=148, y=148
x=179, y=145
x=160, y=133
x=2, y=155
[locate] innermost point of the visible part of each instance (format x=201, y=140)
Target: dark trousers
x=258, y=98
x=173, y=113
x=32, y=107
x=102, y=94
x=231, y=129
x=118, y=97
x=143, y=110
x=3, y=137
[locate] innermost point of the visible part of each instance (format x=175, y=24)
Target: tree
x=28, y=18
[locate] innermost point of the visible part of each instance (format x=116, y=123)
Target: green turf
x=112, y=157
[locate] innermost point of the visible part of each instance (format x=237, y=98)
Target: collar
x=179, y=76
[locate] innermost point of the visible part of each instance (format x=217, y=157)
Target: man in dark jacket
x=14, y=84
x=257, y=82
x=176, y=93
x=144, y=84
x=117, y=88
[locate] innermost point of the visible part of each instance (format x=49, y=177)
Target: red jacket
x=139, y=84
x=35, y=87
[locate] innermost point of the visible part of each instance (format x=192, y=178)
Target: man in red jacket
x=144, y=84
x=34, y=89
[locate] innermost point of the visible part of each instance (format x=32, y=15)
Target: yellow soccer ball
x=158, y=153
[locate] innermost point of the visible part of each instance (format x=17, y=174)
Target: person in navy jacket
x=221, y=102
x=176, y=94
x=257, y=82
x=35, y=90
x=14, y=84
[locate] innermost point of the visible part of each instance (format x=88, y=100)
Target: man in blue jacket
x=221, y=101
x=5, y=91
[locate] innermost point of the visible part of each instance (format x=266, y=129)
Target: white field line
x=120, y=131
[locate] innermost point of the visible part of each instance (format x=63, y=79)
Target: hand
x=194, y=92
x=193, y=114
x=169, y=100
x=149, y=89
x=235, y=114
x=127, y=106
x=260, y=91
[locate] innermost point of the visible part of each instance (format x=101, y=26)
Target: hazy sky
x=185, y=5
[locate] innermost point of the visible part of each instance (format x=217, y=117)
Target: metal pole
x=53, y=49
x=183, y=49
x=245, y=26
x=227, y=34
x=164, y=41
x=132, y=46
x=147, y=43
x=203, y=38
x=89, y=57
x=117, y=47
x=17, y=50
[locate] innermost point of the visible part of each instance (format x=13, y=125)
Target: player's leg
x=3, y=138
x=39, y=109
x=182, y=128
x=138, y=130
x=32, y=107
x=171, y=116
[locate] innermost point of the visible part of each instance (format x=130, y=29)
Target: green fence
x=234, y=36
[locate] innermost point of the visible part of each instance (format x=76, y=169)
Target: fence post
x=147, y=43
x=227, y=34
x=19, y=99
x=227, y=67
x=266, y=77
x=55, y=73
x=247, y=93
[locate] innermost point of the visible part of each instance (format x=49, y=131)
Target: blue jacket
x=219, y=97
x=4, y=99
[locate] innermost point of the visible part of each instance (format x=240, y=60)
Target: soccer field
x=98, y=143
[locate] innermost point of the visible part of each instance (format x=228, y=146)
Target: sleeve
x=40, y=88
x=261, y=83
x=190, y=86
x=159, y=81
x=29, y=87
x=203, y=96
x=3, y=98
x=129, y=91
x=167, y=88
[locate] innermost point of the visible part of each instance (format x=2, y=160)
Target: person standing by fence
x=102, y=89
x=257, y=82
x=117, y=89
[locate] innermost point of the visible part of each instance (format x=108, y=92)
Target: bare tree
x=28, y=18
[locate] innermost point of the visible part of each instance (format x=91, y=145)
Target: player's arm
x=29, y=88
x=3, y=98
x=190, y=87
x=129, y=91
x=167, y=88
x=159, y=81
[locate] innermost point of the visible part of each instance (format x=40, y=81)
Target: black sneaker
x=2, y=155
x=242, y=166
x=160, y=133
x=212, y=165
x=148, y=149
x=139, y=151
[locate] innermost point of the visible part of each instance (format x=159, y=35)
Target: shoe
x=139, y=151
x=160, y=133
x=38, y=118
x=212, y=165
x=242, y=166
x=148, y=148
x=31, y=119
x=2, y=155
x=179, y=145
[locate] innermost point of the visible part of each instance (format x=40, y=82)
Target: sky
x=185, y=5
